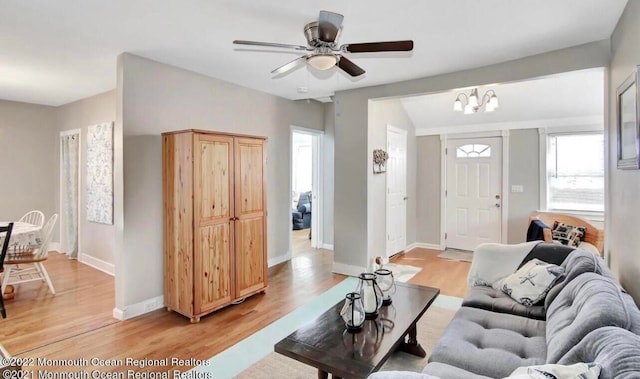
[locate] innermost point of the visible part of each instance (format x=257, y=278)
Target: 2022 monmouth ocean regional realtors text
x=130, y=362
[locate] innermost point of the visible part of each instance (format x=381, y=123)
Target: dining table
x=24, y=236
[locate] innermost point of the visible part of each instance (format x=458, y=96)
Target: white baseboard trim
x=55, y=246
x=134, y=310
x=118, y=314
x=345, y=269
x=98, y=264
x=279, y=259
x=423, y=245
x=327, y=246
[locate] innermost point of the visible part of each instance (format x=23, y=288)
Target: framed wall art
x=628, y=123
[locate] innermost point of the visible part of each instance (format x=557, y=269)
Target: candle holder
x=387, y=284
x=353, y=312
x=370, y=293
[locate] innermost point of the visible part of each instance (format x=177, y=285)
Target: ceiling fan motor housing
x=311, y=34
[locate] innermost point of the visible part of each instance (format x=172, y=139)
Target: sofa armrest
x=494, y=261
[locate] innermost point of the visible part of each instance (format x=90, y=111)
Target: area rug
x=457, y=255
x=430, y=329
x=402, y=273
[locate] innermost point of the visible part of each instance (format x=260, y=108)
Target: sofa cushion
x=494, y=300
x=588, y=302
x=577, y=263
x=531, y=282
x=616, y=350
x=445, y=371
x=491, y=344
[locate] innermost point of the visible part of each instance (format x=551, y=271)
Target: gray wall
x=524, y=165
x=351, y=123
x=327, y=179
x=428, y=189
x=154, y=98
x=97, y=240
x=623, y=216
x=28, y=139
x=381, y=114
x=524, y=169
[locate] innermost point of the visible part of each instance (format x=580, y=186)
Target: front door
x=473, y=192
x=396, y=190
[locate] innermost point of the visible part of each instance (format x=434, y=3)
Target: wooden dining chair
x=34, y=218
x=26, y=266
x=3, y=254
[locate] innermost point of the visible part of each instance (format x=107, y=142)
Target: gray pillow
x=531, y=282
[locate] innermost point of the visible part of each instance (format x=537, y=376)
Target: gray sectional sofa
x=586, y=317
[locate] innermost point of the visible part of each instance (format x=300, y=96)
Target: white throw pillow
x=576, y=371
x=531, y=282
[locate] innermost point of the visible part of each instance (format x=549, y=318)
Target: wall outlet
x=517, y=188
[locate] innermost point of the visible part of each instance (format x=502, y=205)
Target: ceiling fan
x=324, y=51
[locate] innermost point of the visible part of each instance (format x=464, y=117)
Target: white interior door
x=396, y=190
x=473, y=192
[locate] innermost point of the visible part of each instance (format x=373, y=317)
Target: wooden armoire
x=215, y=241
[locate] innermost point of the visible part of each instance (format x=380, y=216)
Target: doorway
x=70, y=151
x=473, y=192
x=396, y=197
x=305, y=189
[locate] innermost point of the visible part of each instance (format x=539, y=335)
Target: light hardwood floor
x=161, y=334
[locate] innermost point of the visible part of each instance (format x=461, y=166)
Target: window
x=473, y=151
x=575, y=172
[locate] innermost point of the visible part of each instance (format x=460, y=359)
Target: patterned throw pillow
x=568, y=234
x=531, y=282
x=553, y=371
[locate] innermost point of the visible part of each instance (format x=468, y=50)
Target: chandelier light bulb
x=473, y=99
x=457, y=106
x=493, y=101
x=468, y=109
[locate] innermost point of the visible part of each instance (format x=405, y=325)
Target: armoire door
x=250, y=203
x=213, y=221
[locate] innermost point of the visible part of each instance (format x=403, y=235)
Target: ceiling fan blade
x=271, y=44
x=349, y=67
x=329, y=24
x=371, y=47
x=290, y=66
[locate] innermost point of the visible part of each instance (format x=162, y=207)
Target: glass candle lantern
x=387, y=284
x=370, y=293
x=353, y=312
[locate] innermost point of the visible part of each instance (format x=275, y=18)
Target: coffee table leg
x=325, y=375
x=411, y=345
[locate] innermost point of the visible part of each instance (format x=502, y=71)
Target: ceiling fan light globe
x=322, y=62
x=457, y=106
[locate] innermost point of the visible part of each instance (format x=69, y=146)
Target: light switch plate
x=517, y=188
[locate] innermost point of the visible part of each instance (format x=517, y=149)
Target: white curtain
x=69, y=151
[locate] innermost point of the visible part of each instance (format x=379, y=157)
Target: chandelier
x=473, y=103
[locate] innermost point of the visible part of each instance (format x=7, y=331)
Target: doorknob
x=497, y=205
x=405, y=198
x=497, y=196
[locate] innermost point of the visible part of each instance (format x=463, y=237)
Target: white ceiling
x=575, y=95
x=54, y=52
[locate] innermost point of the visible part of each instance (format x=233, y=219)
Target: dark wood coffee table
x=325, y=344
